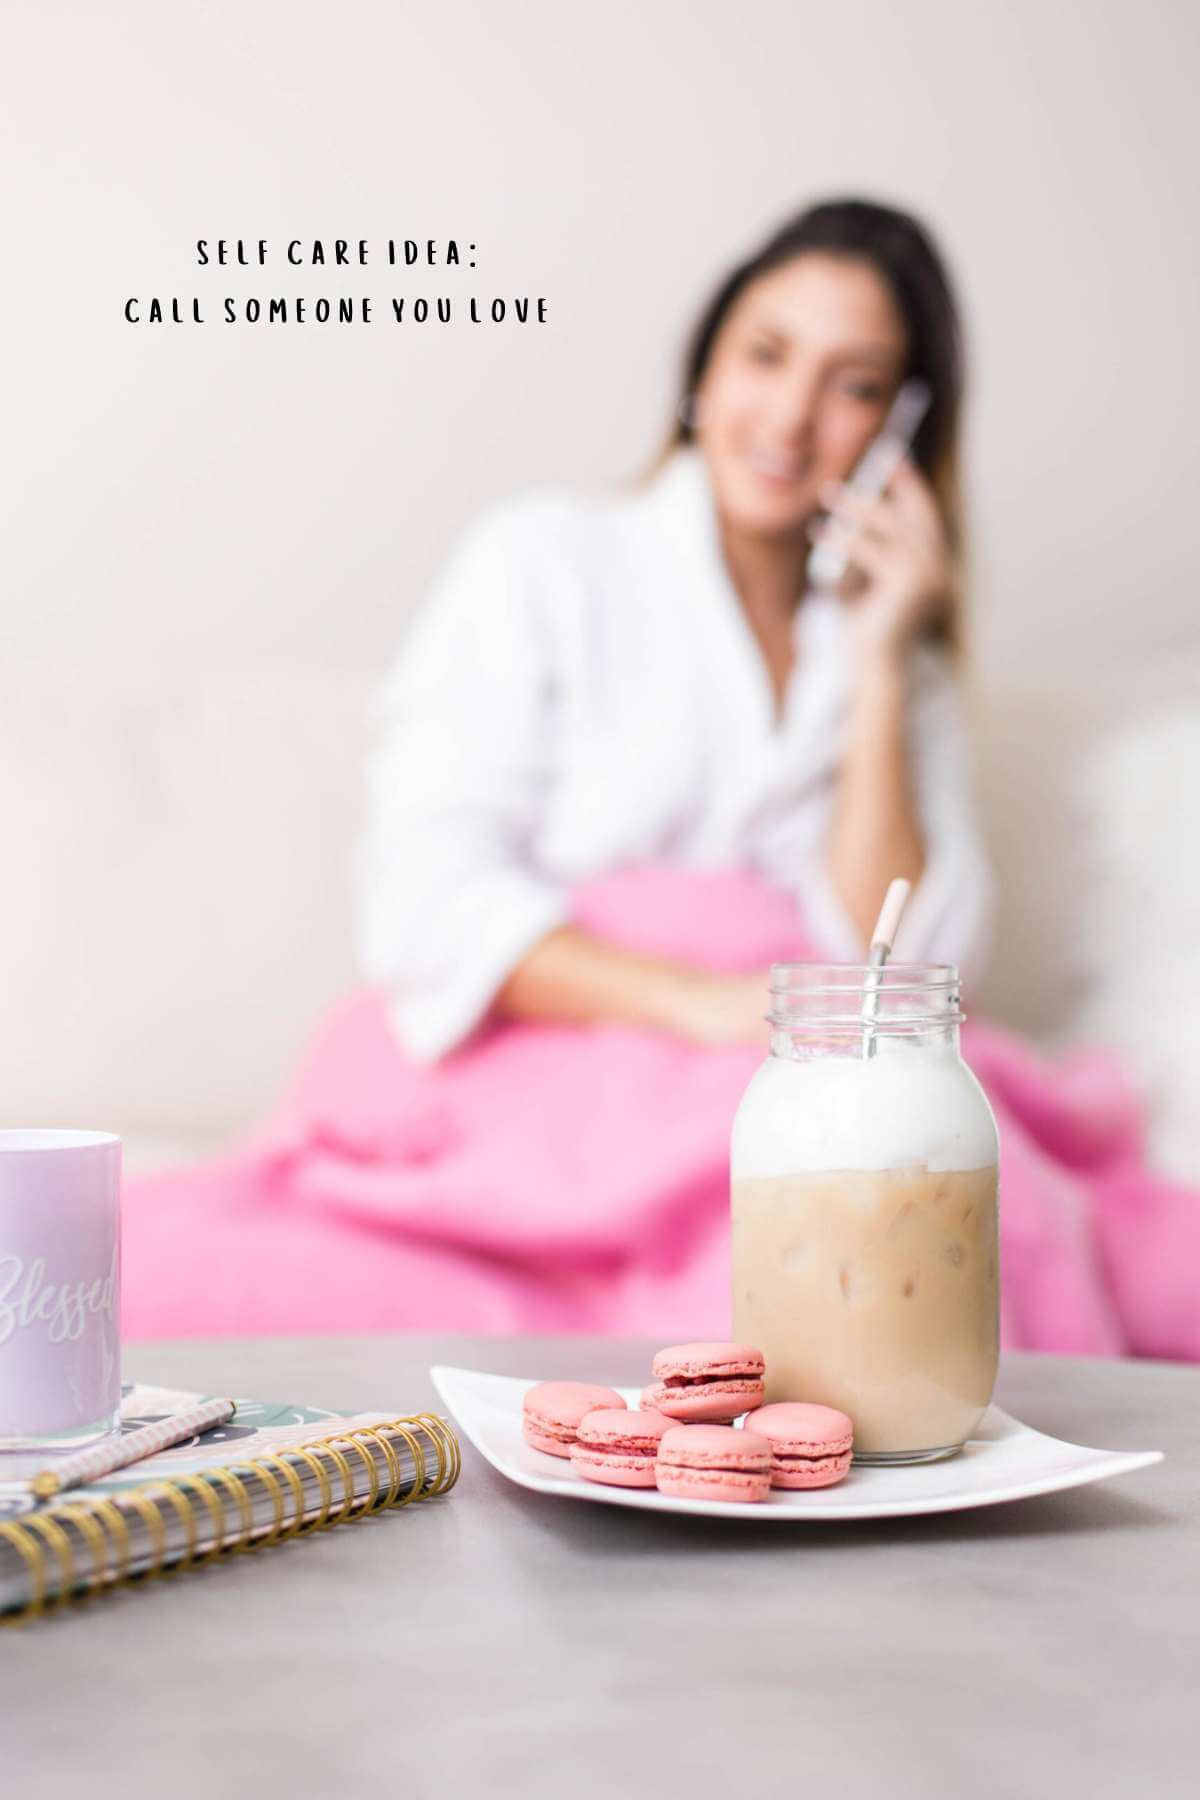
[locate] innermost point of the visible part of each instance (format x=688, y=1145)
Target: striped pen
x=119, y=1452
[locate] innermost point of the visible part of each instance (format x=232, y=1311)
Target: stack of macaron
x=682, y=1439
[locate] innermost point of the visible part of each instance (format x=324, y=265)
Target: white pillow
x=1139, y=921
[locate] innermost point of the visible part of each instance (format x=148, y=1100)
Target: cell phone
x=879, y=462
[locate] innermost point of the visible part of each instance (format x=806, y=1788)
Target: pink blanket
x=549, y=1178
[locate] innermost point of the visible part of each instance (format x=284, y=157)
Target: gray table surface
x=501, y=1642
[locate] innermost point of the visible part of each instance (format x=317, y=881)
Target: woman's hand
x=571, y=977
x=898, y=545
x=723, y=1009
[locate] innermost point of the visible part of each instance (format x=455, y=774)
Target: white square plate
x=1005, y=1460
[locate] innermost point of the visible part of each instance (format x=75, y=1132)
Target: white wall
x=183, y=500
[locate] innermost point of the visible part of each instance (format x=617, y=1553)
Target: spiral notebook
x=269, y=1473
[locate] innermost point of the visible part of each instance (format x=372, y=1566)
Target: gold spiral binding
x=445, y=1448
x=77, y=1513
x=233, y=1485
x=102, y=1524
x=448, y=1453
x=395, y=1473
x=168, y=1490
x=216, y=1513
x=368, y=1463
x=418, y=1456
x=433, y=1484
x=34, y=1558
x=347, y=1475
x=144, y=1506
x=60, y=1543
x=275, y=1493
x=111, y=1514
x=453, y=1446
x=293, y=1480
x=309, y=1456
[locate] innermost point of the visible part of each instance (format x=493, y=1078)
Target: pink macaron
x=810, y=1445
x=713, y=1462
x=710, y=1383
x=551, y=1412
x=619, y=1446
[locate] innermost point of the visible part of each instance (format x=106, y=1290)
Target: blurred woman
x=598, y=683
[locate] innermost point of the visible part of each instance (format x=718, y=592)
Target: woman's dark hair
x=902, y=252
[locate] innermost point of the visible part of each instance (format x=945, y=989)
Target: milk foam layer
x=902, y=1108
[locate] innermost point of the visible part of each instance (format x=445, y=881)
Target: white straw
x=882, y=939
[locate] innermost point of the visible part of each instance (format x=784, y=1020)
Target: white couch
x=174, y=909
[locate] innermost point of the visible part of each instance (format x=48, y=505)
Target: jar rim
x=837, y=978
x=895, y=998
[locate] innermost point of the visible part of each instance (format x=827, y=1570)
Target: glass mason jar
x=864, y=1208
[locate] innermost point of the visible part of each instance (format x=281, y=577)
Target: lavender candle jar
x=60, y=1364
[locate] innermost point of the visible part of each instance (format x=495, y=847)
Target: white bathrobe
x=583, y=691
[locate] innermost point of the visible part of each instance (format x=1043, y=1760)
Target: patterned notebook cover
x=257, y=1428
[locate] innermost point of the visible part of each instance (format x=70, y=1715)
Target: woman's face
x=798, y=382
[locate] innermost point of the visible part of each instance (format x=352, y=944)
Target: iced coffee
x=864, y=1193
